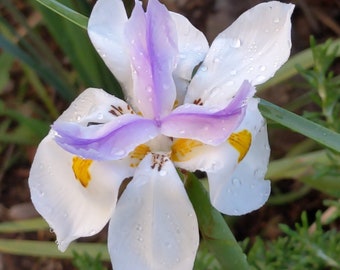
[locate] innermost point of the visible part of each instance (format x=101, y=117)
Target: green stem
x=214, y=229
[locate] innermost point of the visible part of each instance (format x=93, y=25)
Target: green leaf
x=49, y=249
x=301, y=125
x=28, y=225
x=214, y=230
x=67, y=13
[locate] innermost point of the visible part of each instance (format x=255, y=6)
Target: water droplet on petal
x=236, y=182
x=233, y=72
x=163, y=172
x=100, y=116
x=235, y=43
x=260, y=79
x=51, y=230
x=203, y=68
x=139, y=227
x=229, y=83
x=276, y=20
x=262, y=68
x=149, y=89
x=120, y=153
x=140, y=239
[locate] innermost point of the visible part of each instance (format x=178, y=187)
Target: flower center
x=80, y=169
x=138, y=154
x=241, y=142
x=182, y=149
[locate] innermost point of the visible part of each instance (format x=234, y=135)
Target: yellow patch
x=138, y=154
x=241, y=142
x=182, y=149
x=80, y=168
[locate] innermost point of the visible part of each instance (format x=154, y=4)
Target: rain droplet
x=217, y=60
x=120, y=153
x=262, y=68
x=203, y=68
x=260, y=79
x=140, y=239
x=51, y=230
x=236, y=182
x=100, y=116
x=162, y=172
x=235, y=43
x=139, y=227
x=149, y=89
x=233, y=72
x=276, y=20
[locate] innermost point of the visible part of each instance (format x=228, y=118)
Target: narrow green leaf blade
x=66, y=12
x=214, y=230
x=49, y=249
x=27, y=225
x=301, y=125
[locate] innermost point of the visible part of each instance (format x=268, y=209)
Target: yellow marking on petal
x=80, y=168
x=241, y=142
x=138, y=154
x=182, y=149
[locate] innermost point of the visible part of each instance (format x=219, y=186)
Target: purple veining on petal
x=201, y=123
x=110, y=141
x=153, y=52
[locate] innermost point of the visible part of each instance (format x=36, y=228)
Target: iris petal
x=154, y=226
x=110, y=141
x=206, y=124
x=71, y=209
x=153, y=53
x=253, y=48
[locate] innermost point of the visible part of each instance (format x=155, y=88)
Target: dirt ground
x=320, y=18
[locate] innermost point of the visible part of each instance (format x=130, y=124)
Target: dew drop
x=236, y=182
x=233, y=72
x=276, y=20
x=230, y=83
x=217, y=60
x=260, y=79
x=262, y=68
x=235, y=43
x=149, y=89
x=120, y=153
x=163, y=172
x=203, y=68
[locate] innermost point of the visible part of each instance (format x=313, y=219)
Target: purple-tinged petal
x=110, y=141
x=206, y=124
x=153, y=52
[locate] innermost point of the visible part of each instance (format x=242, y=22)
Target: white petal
x=93, y=105
x=253, y=48
x=71, y=209
x=154, y=226
x=106, y=31
x=241, y=189
x=192, y=47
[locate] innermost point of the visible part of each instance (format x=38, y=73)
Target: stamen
x=181, y=149
x=80, y=169
x=241, y=141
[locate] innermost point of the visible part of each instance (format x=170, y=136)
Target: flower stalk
x=214, y=230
